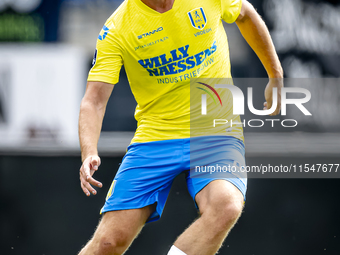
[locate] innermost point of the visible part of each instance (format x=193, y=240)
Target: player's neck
x=160, y=6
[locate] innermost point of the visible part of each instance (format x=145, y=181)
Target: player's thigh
x=121, y=227
x=220, y=196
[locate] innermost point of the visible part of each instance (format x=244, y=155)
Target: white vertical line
x=204, y=104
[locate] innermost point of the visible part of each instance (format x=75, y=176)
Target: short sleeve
x=107, y=60
x=231, y=10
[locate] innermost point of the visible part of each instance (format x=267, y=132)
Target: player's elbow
x=91, y=104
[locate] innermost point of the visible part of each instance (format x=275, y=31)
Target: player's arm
x=256, y=33
x=92, y=110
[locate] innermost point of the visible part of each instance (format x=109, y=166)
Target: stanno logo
x=150, y=33
x=105, y=31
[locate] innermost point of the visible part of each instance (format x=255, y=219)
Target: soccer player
x=164, y=44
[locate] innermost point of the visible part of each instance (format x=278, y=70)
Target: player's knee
x=106, y=247
x=224, y=211
x=109, y=245
x=230, y=212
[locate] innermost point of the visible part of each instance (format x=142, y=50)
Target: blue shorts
x=148, y=169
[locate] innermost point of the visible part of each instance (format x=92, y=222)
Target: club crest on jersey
x=197, y=18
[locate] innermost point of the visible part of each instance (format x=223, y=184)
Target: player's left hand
x=88, y=168
x=268, y=93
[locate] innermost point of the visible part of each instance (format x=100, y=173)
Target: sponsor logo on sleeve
x=94, y=59
x=103, y=33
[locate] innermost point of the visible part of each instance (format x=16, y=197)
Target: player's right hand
x=268, y=93
x=90, y=165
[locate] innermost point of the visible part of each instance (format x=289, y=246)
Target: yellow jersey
x=162, y=53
